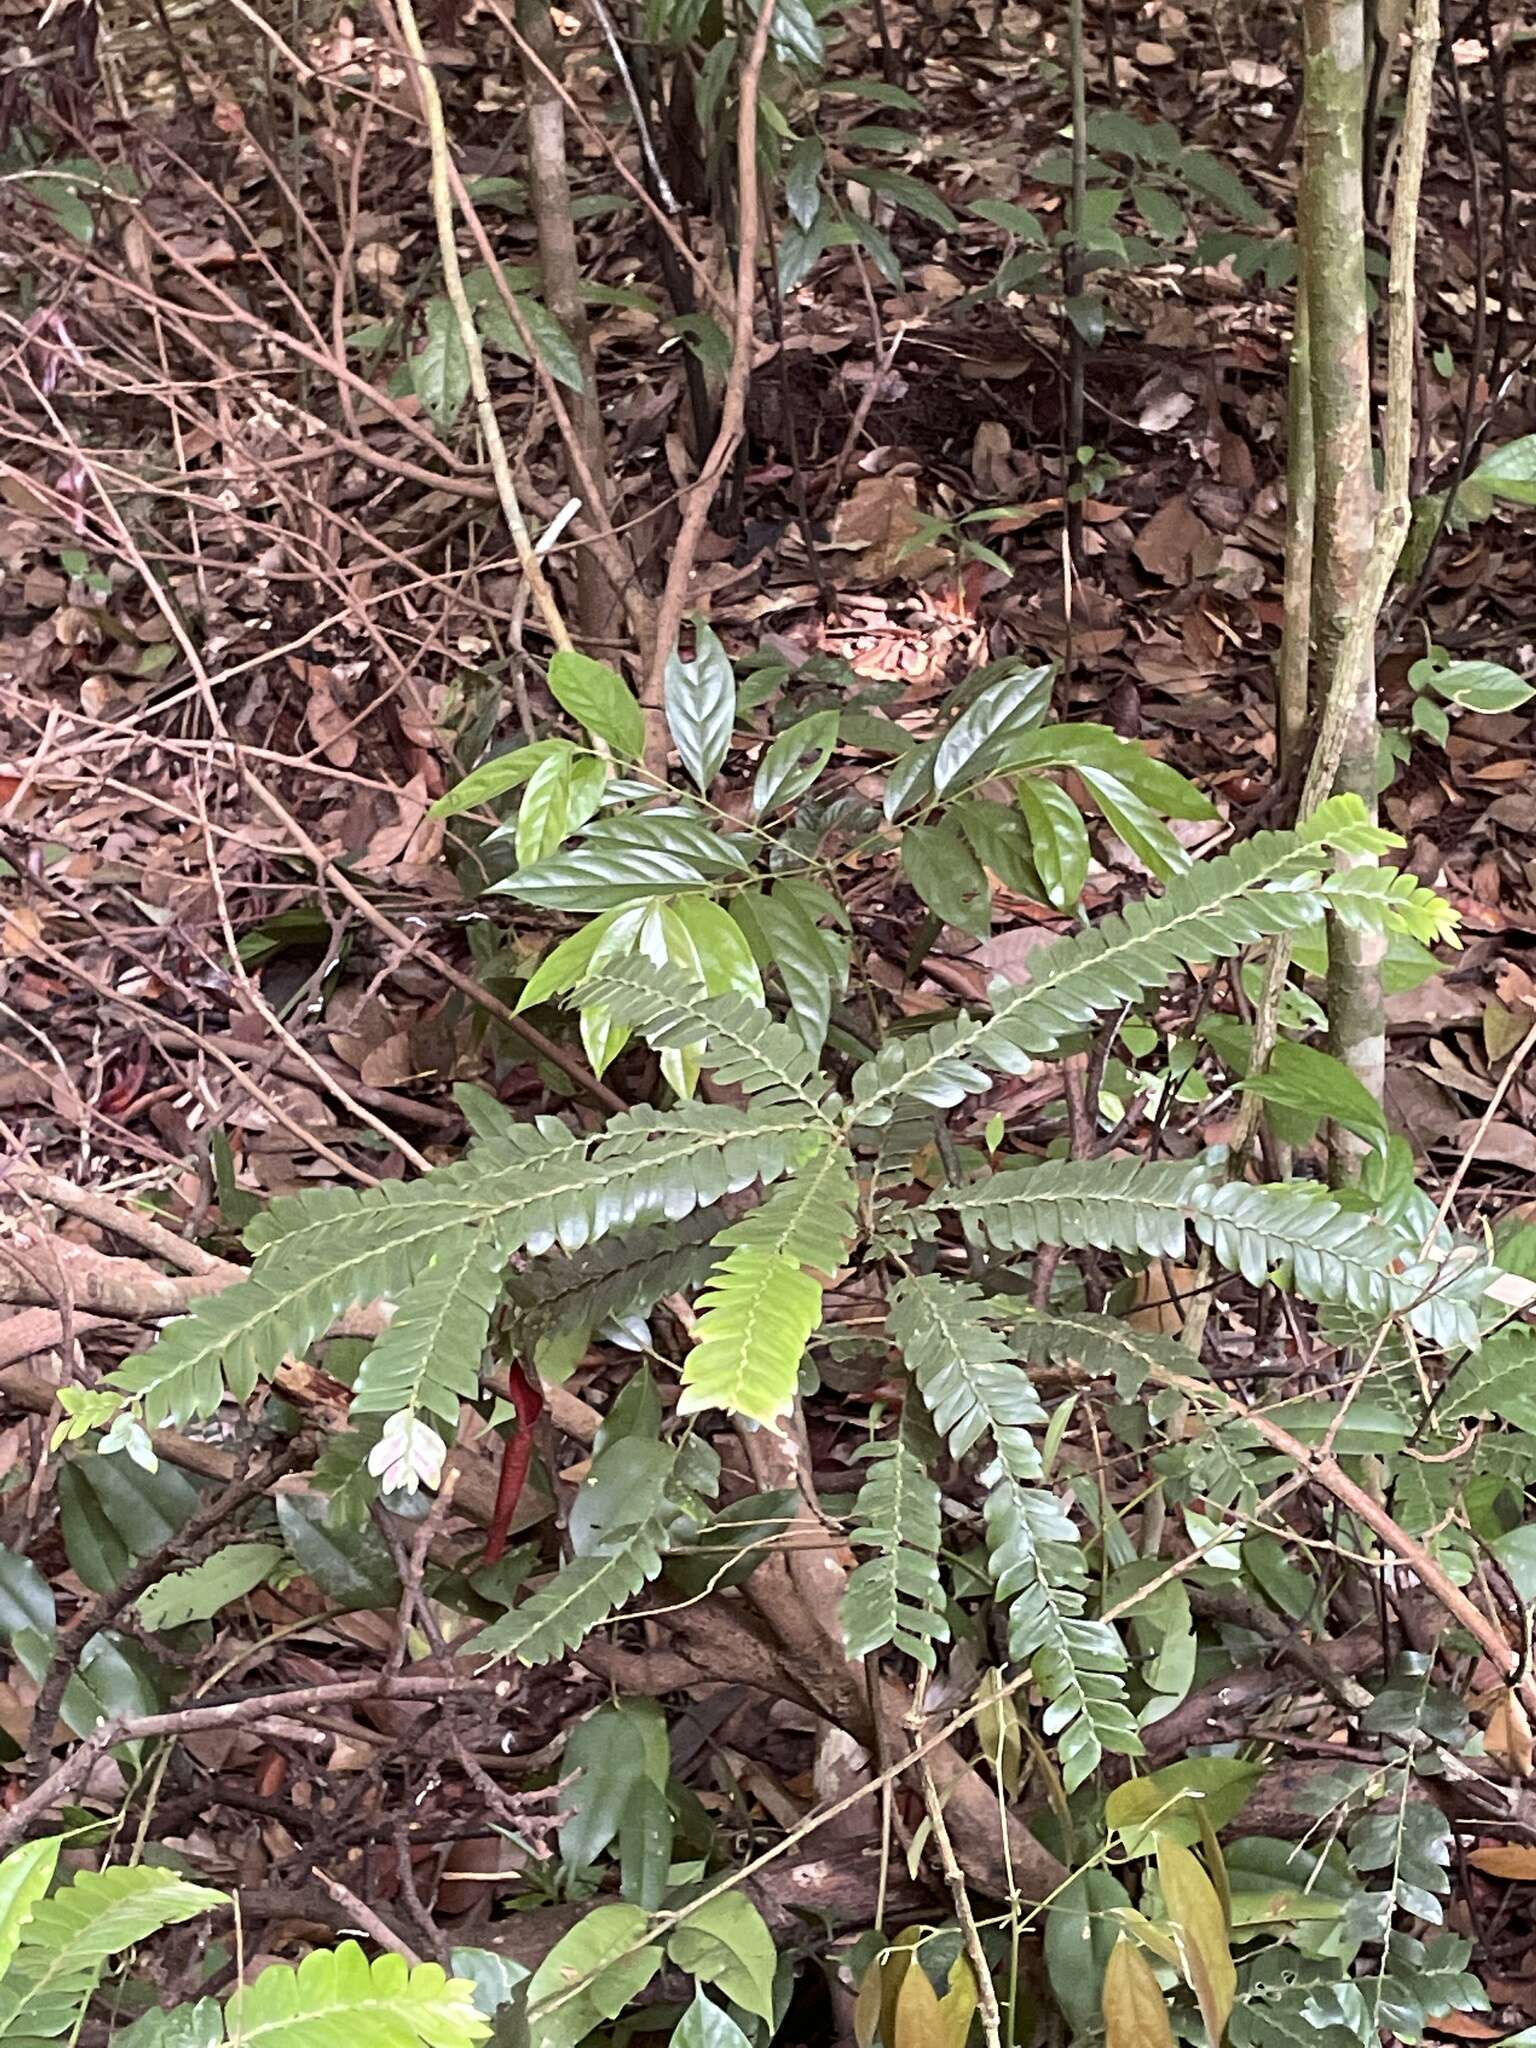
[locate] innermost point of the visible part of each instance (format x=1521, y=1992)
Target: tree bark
x=1293, y=694
x=1332, y=228
x=599, y=607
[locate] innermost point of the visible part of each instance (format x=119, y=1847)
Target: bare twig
x=241, y=1713
x=733, y=402
x=469, y=334
x=986, y=1991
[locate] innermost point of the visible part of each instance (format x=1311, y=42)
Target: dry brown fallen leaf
x=878, y=518
x=1506, y=1144
x=1505, y=1859
x=1176, y=544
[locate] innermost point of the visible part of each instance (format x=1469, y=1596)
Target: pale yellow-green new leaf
x=918, y=2020
x=337, y=1998
x=726, y=1942
x=590, y=1975
x=756, y=1317
x=24, y=1876
x=1135, y=2015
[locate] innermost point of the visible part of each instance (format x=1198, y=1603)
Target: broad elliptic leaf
x=700, y=703
x=599, y=699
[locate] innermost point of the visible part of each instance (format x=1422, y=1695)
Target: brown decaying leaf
x=1135, y=2012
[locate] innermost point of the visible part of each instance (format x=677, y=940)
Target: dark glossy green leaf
x=113, y=1511
x=115, y=1677
x=1137, y=824
x=903, y=190
x=353, y=1567
x=1058, y=839
x=1086, y=312
x=948, y=877
x=626, y=1485
x=606, y=1756
x=783, y=928
x=606, y=878
x=27, y=1613
x=1161, y=212
x=1300, y=1077
x=1510, y=472
x=795, y=36
x=1011, y=705
x=645, y=1844
x=440, y=368
x=869, y=237
x=794, y=760
x=801, y=249
x=1080, y=1931
x=706, y=339
x=1018, y=220
x=494, y=778
x=1209, y=174
x=802, y=182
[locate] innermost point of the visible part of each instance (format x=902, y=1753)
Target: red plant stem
x=516, y=1457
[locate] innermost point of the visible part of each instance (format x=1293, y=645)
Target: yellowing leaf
x=1199, y=1926
x=997, y=1730
x=958, y=2006
x=919, y=2023
x=1135, y=2015
x=895, y=1964
x=866, y=2007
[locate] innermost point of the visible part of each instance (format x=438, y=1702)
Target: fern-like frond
x=105, y=1911
x=1375, y=899
x=235, y=1338
x=429, y=1356
x=341, y=1474
x=656, y=1166
x=763, y=1301
x=303, y=1224
x=1112, y=1204
x=1220, y=906
x=974, y=1387
x=579, y=1598
x=756, y=1316
x=648, y=1167
x=1097, y=1344
x=616, y=1277
x=68, y=1938
x=969, y=1374
x=809, y=1218
x=337, y=1997
x=895, y=1597
x=744, y=1045
x=1335, y=1254
x=1037, y=1567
